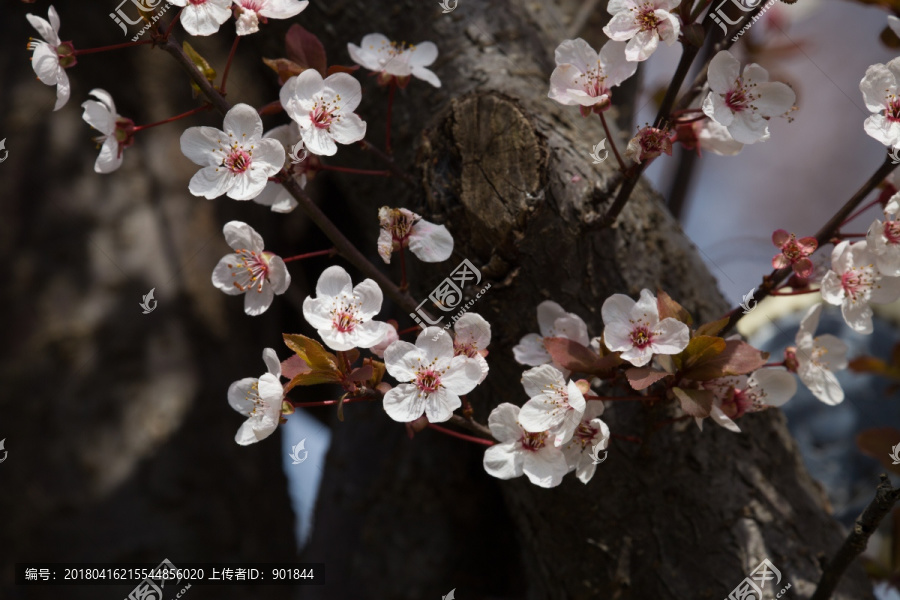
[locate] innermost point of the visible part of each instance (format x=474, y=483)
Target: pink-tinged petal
x=348, y=88
x=205, y=19
x=440, y=404
x=430, y=242
x=473, y=330
x=571, y=327
x=504, y=422
x=530, y=351
x=615, y=64
x=577, y=53
x=724, y=69
x=808, y=326
x=722, y=420
x=239, y=393
x=279, y=277
x=248, y=185
x=593, y=409
x=370, y=333
x=642, y=45
x=576, y=400
x=804, y=268
x=333, y=282
x=888, y=291
x=877, y=84
x=774, y=99
x=390, y=336
x=547, y=314
x=45, y=64
x=646, y=308
x=349, y=129
x=564, y=87
x=504, y=461
x=617, y=309
x=370, y=299
x=110, y=158
x=283, y=9
x=434, y=345
x=623, y=26
x=669, y=27
x=780, y=237
x=256, y=302
x=780, y=261
x=319, y=141
x=822, y=383
x=883, y=129
x=211, y=182
x=540, y=414
x=617, y=336
x=858, y=315
x=617, y=6
x=241, y=236
x=808, y=244
x=831, y=288
x=404, y=403
x=546, y=467
x=777, y=385
x=638, y=356
x=385, y=245
x=402, y=359
x=204, y=146
x=222, y=276
x=563, y=431
x=539, y=380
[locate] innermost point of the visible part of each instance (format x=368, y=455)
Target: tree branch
x=853, y=546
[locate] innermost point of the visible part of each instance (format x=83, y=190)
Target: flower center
x=344, y=321
x=584, y=434
x=641, y=336
x=238, y=161
x=251, y=271
x=738, y=402
x=858, y=282
x=892, y=232
x=592, y=82
x=647, y=19
x=254, y=5
x=533, y=441
x=428, y=381
x=344, y=316
x=737, y=99
x=892, y=109
x=469, y=349
x=196, y=2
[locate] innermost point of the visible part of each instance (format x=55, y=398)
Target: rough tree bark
x=691, y=513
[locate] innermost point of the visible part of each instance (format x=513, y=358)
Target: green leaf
x=202, y=65
x=701, y=349
x=712, y=328
x=322, y=364
x=697, y=403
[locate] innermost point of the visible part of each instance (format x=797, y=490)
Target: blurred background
x=119, y=437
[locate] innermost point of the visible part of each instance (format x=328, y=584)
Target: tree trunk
x=687, y=515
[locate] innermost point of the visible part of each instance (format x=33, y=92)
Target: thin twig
x=471, y=426
x=856, y=542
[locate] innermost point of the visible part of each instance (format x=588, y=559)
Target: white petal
x=239, y=393
x=204, y=145
x=349, y=129
x=546, y=467
x=402, y=359
x=547, y=314
x=504, y=461
x=473, y=330
x=272, y=362
x=333, y=282
x=530, y=351
x=430, y=242
x=462, y=375
x=670, y=336
x=724, y=69
x=433, y=345
x=241, y=236
x=440, y=404
x=256, y=302
x=223, y=275
x=370, y=298
x=404, y=403
x=504, y=422
x=540, y=414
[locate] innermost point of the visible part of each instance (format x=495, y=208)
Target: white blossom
x=520, y=452
x=879, y=88
x=854, y=282
x=634, y=329
x=236, y=162
x=744, y=103
x=259, y=399
x=554, y=406
x=815, y=359
x=736, y=396
x=432, y=378
x=253, y=11
x=251, y=271
x=397, y=60
x=591, y=433
x=584, y=78
x=203, y=17
x=51, y=55
x=642, y=23
x=883, y=239
x=342, y=314
x=472, y=334
x=402, y=228
x=553, y=321
x=117, y=132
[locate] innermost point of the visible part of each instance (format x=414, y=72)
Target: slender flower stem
x=794, y=292
x=328, y=402
x=193, y=111
x=850, y=235
x=171, y=26
x=234, y=46
x=462, y=436
x=825, y=233
x=861, y=211
x=612, y=143
x=412, y=329
x=108, y=48
x=329, y=252
x=352, y=170
x=389, y=163
x=390, y=110
x=403, y=283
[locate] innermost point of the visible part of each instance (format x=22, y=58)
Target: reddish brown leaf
x=642, y=377
x=712, y=328
x=579, y=359
x=363, y=373
x=669, y=308
x=738, y=358
x=305, y=49
x=697, y=403
x=342, y=69
x=284, y=67
x=701, y=349
x=294, y=366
